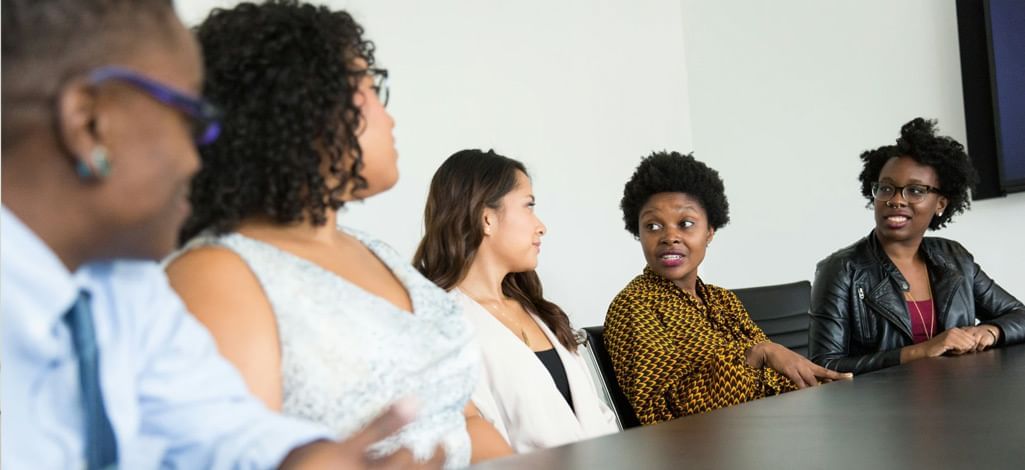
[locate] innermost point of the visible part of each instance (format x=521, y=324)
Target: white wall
x=784, y=97
x=781, y=97
x=578, y=90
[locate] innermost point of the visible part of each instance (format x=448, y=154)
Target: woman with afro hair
x=324, y=323
x=896, y=296
x=680, y=346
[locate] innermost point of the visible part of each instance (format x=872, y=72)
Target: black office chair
x=600, y=361
x=781, y=311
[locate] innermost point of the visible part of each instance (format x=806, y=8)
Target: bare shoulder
x=221, y=291
x=215, y=280
x=210, y=267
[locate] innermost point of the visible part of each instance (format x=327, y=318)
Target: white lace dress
x=347, y=354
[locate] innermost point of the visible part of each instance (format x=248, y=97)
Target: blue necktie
x=100, y=445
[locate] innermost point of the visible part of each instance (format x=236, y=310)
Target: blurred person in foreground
x=102, y=365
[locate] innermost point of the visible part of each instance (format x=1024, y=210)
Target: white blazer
x=517, y=394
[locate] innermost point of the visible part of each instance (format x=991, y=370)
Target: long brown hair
x=466, y=183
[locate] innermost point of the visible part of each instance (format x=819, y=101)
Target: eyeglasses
x=912, y=193
x=380, y=86
x=203, y=115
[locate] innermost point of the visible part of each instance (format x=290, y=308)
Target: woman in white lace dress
x=323, y=323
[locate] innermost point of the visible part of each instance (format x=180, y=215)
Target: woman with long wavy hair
x=481, y=242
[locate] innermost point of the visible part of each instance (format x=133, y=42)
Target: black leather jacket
x=859, y=318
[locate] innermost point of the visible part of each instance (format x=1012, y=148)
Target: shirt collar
x=36, y=285
x=666, y=284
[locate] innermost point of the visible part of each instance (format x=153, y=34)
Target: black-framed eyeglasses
x=203, y=115
x=380, y=86
x=911, y=193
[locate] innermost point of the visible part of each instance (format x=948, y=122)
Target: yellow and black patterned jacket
x=675, y=356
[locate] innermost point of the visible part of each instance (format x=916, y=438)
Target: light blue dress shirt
x=172, y=399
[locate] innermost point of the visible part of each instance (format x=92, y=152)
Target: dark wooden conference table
x=948, y=412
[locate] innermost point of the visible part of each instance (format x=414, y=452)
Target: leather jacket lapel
x=886, y=297
x=946, y=280
x=882, y=300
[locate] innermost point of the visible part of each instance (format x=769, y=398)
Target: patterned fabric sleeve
x=722, y=380
x=774, y=383
x=663, y=380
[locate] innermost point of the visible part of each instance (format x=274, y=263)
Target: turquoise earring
x=98, y=166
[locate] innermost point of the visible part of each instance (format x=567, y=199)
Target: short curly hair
x=284, y=73
x=672, y=172
x=918, y=140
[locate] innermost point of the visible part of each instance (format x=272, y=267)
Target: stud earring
x=98, y=166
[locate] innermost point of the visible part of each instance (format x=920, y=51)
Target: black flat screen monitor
x=1006, y=28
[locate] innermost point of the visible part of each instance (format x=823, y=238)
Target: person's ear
x=941, y=205
x=488, y=219
x=711, y=235
x=77, y=125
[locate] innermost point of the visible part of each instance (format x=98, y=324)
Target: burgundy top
x=922, y=323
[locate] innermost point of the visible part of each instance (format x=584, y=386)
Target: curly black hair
x=918, y=140
x=284, y=73
x=672, y=172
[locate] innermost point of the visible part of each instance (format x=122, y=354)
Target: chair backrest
x=600, y=361
x=781, y=311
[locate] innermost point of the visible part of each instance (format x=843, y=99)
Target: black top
x=550, y=359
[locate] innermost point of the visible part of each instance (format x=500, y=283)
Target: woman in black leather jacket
x=896, y=296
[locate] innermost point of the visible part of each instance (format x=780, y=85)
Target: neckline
x=349, y=284
x=699, y=298
x=499, y=324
